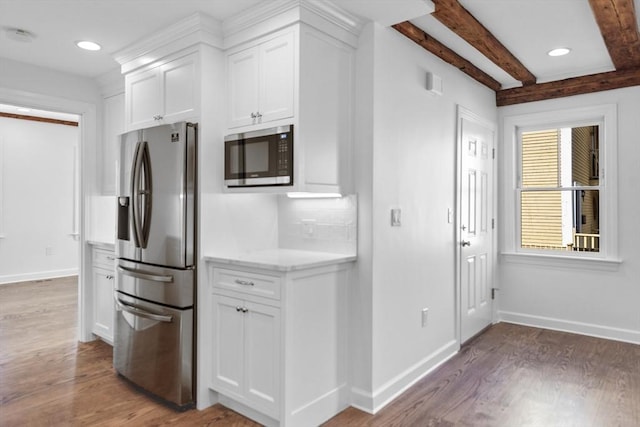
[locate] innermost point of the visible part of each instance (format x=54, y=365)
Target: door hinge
x=493, y=293
x=493, y=223
x=493, y=153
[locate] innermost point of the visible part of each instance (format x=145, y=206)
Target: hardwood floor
x=509, y=376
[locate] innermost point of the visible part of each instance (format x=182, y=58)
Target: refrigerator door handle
x=135, y=172
x=145, y=275
x=141, y=192
x=137, y=311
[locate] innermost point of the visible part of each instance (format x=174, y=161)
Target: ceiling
x=526, y=28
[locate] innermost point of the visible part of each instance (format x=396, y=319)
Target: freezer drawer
x=170, y=286
x=153, y=348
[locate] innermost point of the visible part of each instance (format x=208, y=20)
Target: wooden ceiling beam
x=619, y=28
x=434, y=46
x=569, y=87
x=454, y=16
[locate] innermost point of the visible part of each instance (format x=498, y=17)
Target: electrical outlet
x=425, y=317
x=308, y=227
x=48, y=251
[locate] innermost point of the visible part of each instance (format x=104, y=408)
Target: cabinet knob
x=245, y=309
x=254, y=116
x=238, y=309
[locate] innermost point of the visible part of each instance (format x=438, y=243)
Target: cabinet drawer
x=248, y=283
x=104, y=258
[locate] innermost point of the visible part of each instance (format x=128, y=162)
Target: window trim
x=605, y=116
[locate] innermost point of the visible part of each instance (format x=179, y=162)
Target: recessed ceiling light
x=87, y=45
x=559, y=51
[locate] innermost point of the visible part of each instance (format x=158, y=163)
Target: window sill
x=562, y=261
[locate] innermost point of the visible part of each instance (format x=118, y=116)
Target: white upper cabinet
x=261, y=82
x=165, y=92
x=301, y=76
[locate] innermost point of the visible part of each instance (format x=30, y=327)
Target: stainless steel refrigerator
x=156, y=251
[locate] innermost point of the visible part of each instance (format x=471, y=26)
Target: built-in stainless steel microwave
x=259, y=158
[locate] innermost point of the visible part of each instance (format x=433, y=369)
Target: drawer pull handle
x=244, y=282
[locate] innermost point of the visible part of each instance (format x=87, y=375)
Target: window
x=559, y=200
x=558, y=189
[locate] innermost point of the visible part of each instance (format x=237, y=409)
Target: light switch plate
x=395, y=217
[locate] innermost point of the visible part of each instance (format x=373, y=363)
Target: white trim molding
x=40, y=275
x=590, y=329
x=2, y=235
x=383, y=395
x=606, y=116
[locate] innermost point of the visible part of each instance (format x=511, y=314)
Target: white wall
x=596, y=302
x=413, y=145
x=38, y=164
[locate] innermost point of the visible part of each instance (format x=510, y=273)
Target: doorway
x=475, y=235
x=87, y=140
x=38, y=194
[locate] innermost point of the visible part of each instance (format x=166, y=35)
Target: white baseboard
x=590, y=329
x=320, y=409
x=40, y=275
x=373, y=402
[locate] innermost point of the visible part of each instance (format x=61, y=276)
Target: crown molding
x=280, y=13
x=196, y=28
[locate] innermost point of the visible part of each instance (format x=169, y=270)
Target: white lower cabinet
x=103, y=286
x=246, y=360
x=278, y=342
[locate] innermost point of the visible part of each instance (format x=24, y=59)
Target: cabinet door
x=228, y=345
x=142, y=98
x=262, y=357
x=276, y=79
x=103, y=304
x=179, y=88
x=113, y=126
x=243, y=86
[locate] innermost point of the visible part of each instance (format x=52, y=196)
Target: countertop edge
x=102, y=245
x=238, y=262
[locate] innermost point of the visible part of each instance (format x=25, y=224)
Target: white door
x=475, y=223
x=276, y=79
x=243, y=85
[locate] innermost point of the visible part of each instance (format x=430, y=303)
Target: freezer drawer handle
x=144, y=275
x=137, y=311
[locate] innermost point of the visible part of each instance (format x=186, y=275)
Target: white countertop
x=103, y=245
x=282, y=259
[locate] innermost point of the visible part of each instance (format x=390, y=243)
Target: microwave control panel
x=284, y=155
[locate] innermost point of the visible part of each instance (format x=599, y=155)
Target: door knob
x=466, y=243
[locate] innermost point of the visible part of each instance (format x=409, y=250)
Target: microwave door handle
x=138, y=311
x=146, y=193
x=135, y=194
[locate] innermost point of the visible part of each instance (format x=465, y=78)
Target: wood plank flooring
x=509, y=376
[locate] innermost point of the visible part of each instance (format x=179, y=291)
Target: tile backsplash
x=325, y=225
